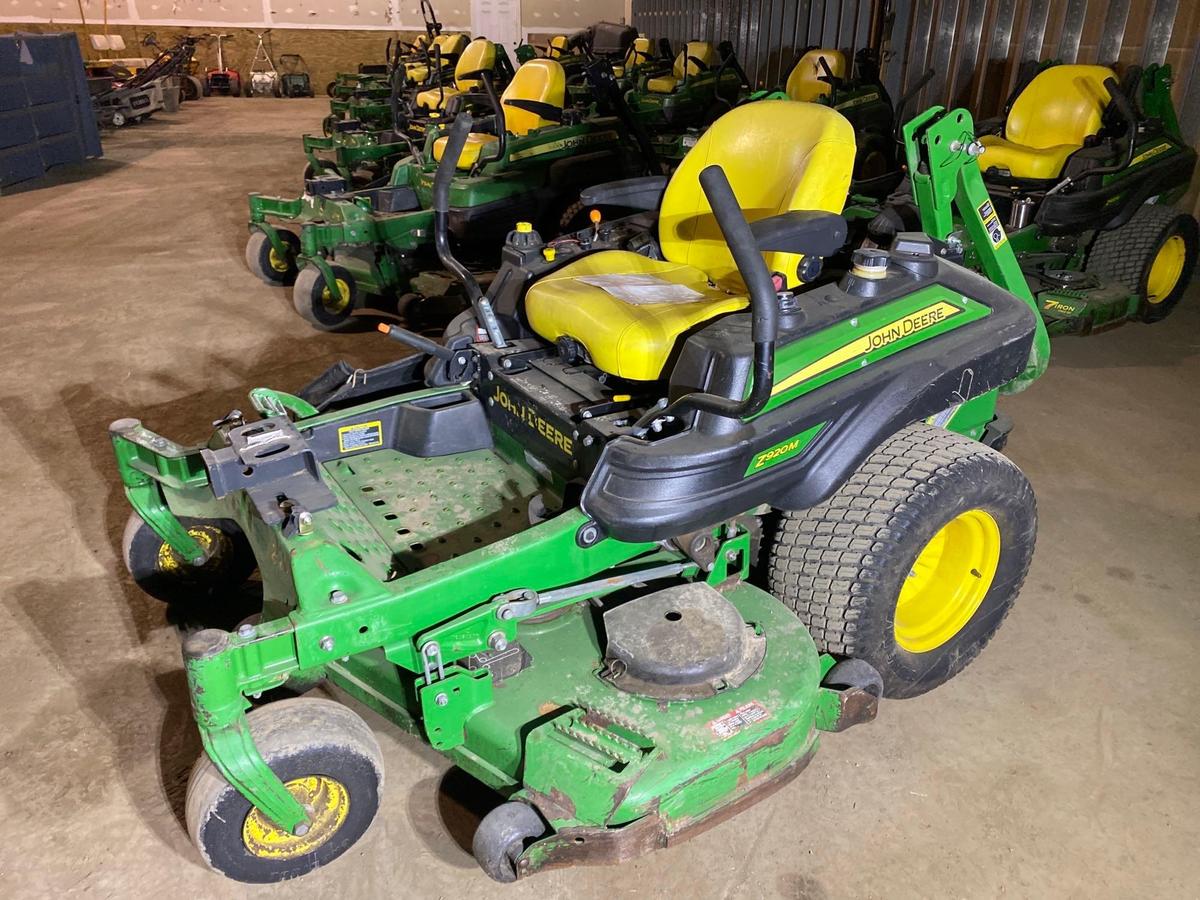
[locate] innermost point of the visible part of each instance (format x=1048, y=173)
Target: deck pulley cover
x=680, y=643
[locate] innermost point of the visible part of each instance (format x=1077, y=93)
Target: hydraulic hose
x=764, y=309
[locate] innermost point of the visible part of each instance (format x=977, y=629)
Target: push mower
x=540, y=558
x=294, y=80
x=532, y=154
x=222, y=81
x=1083, y=172
x=264, y=77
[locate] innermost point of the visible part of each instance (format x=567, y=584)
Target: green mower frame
x=430, y=552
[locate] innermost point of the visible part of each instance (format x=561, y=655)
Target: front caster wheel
x=325, y=309
x=502, y=836
x=327, y=758
x=267, y=263
x=164, y=574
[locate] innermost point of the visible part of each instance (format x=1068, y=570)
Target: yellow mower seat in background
x=804, y=81
x=557, y=48
x=451, y=45
x=685, y=66
x=1049, y=121
x=810, y=169
x=539, y=80
x=638, y=54
x=480, y=55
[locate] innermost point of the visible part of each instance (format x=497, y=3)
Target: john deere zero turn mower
x=1083, y=173
x=819, y=76
x=531, y=155
x=538, y=558
x=362, y=156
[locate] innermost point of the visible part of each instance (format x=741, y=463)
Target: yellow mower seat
x=1049, y=121
x=557, y=48
x=685, y=66
x=809, y=170
x=540, y=80
x=804, y=81
x=451, y=45
x=638, y=53
x=479, y=56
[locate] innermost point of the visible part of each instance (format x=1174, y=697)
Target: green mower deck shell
x=348, y=151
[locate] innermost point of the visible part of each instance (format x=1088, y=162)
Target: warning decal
x=991, y=223
x=362, y=436
x=735, y=720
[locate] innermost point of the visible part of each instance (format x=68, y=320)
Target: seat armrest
x=547, y=111
x=631, y=193
x=805, y=231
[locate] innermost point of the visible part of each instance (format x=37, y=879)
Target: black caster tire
x=329, y=88
x=326, y=756
x=1154, y=254
x=163, y=574
x=502, y=836
x=265, y=262
x=326, y=169
x=914, y=561
x=316, y=304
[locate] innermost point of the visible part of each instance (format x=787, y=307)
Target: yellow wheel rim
x=1166, y=269
x=948, y=581
x=278, y=262
x=341, y=302
x=328, y=804
x=170, y=561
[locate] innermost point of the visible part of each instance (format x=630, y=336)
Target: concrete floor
x=1065, y=762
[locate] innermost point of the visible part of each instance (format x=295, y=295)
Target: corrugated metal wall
x=976, y=47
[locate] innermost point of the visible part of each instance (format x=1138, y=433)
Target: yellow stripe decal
x=906, y=326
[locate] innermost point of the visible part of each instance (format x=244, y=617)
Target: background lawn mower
x=1084, y=174
x=539, y=558
x=222, y=81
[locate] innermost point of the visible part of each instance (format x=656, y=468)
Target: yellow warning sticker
x=362, y=436
x=991, y=223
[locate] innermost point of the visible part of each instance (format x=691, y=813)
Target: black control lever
x=441, y=228
x=764, y=309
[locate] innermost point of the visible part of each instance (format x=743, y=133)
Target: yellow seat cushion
x=471, y=150
x=540, y=80
x=416, y=72
x=435, y=98
x=804, y=82
x=1050, y=119
x=1021, y=161
x=685, y=66
x=810, y=169
x=631, y=340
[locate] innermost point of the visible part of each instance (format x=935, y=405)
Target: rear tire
x=316, y=304
x=265, y=262
x=1153, y=254
x=914, y=562
x=327, y=756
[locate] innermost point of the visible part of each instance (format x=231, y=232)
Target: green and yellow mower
x=529, y=159
x=624, y=545
x=1078, y=180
